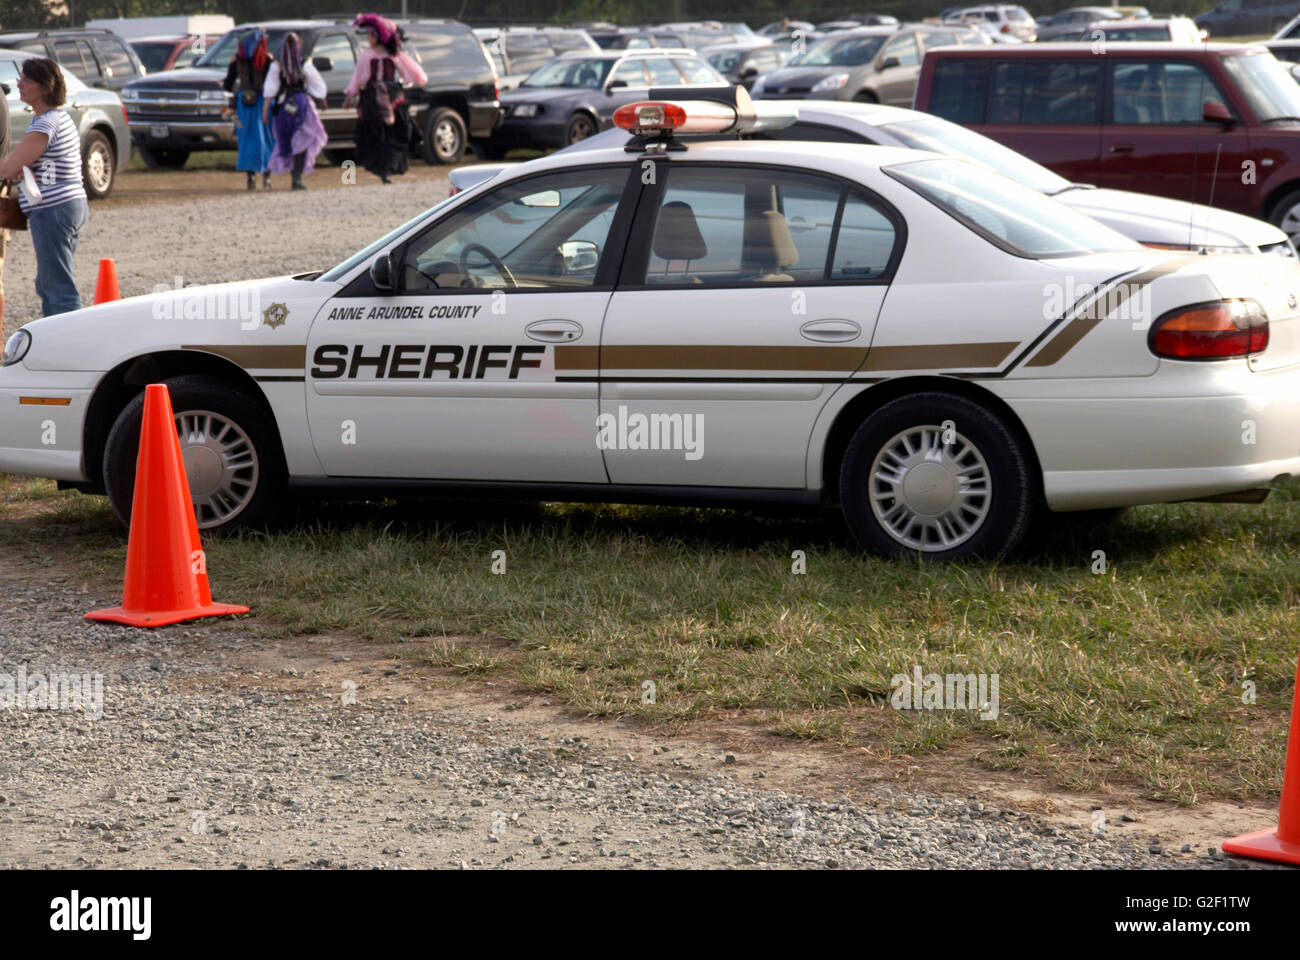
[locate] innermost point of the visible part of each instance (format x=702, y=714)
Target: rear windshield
x=940, y=136
x=154, y=55
x=1266, y=84
x=1012, y=216
x=446, y=49
x=839, y=52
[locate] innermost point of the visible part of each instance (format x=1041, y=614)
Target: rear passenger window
x=1043, y=92
x=117, y=62
x=958, y=90
x=1160, y=92
x=864, y=243
x=68, y=55
x=630, y=72
x=725, y=227
x=695, y=71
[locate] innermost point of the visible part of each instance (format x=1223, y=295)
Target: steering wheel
x=493, y=261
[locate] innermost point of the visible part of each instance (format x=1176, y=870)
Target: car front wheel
x=938, y=476
x=229, y=446
x=581, y=127
x=98, y=164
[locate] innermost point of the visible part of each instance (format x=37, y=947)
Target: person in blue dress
x=245, y=79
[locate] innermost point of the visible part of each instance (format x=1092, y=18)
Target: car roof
x=1053, y=49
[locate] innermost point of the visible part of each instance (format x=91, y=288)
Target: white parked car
x=932, y=345
x=1006, y=18
x=1150, y=220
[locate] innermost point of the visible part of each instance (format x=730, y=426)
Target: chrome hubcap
x=98, y=168
x=1290, y=223
x=930, y=495
x=446, y=137
x=220, y=465
x=581, y=130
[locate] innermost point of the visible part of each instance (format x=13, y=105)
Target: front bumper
x=41, y=422
x=535, y=133
x=183, y=135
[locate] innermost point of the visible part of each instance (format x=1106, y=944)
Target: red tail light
x=1211, y=331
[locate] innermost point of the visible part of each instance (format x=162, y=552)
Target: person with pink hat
x=384, y=133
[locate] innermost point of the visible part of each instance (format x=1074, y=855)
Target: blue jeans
x=55, y=232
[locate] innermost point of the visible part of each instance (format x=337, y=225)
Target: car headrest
x=768, y=241
x=677, y=235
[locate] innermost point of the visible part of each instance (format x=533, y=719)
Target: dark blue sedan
x=575, y=95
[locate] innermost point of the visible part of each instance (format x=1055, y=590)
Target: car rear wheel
x=167, y=157
x=98, y=164
x=581, y=127
x=937, y=476
x=445, y=137
x=229, y=447
x=1286, y=215
x=866, y=96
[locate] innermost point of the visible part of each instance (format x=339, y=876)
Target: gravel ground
x=245, y=236
x=218, y=748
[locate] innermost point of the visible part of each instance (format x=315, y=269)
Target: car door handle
x=1121, y=148
x=830, y=330
x=553, y=331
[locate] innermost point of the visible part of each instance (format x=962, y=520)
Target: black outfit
x=385, y=133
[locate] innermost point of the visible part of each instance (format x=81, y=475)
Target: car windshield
x=1266, y=85
x=154, y=54
x=343, y=269
x=839, y=52
x=940, y=136
x=1012, y=216
x=570, y=72
x=224, y=50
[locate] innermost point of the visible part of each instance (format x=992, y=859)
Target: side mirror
x=614, y=84
x=749, y=73
x=580, y=256
x=381, y=272
x=1214, y=112
x=888, y=63
x=323, y=64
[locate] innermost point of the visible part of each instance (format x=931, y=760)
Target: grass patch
x=1134, y=676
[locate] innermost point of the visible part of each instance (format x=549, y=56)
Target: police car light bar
x=686, y=110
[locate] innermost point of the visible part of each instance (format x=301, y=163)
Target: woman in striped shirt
x=52, y=148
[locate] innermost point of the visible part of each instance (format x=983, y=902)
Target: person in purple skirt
x=290, y=89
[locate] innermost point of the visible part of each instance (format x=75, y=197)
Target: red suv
x=1212, y=123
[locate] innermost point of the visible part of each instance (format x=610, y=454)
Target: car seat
x=769, y=246
x=678, y=237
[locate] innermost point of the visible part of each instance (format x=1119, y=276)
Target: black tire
x=487, y=150
x=169, y=158
x=445, y=137
x=1002, y=495
x=340, y=157
x=258, y=486
x=1287, y=208
x=866, y=96
x=98, y=164
x=581, y=126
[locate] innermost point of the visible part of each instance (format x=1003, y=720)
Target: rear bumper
x=184, y=135
x=1125, y=451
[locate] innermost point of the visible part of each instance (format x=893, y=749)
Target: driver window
x=542, y=233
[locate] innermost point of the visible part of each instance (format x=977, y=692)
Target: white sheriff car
x=933, y=346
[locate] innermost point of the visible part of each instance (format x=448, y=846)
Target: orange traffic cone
x=166, y=571
x=106, y=283
x=1281, y=843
